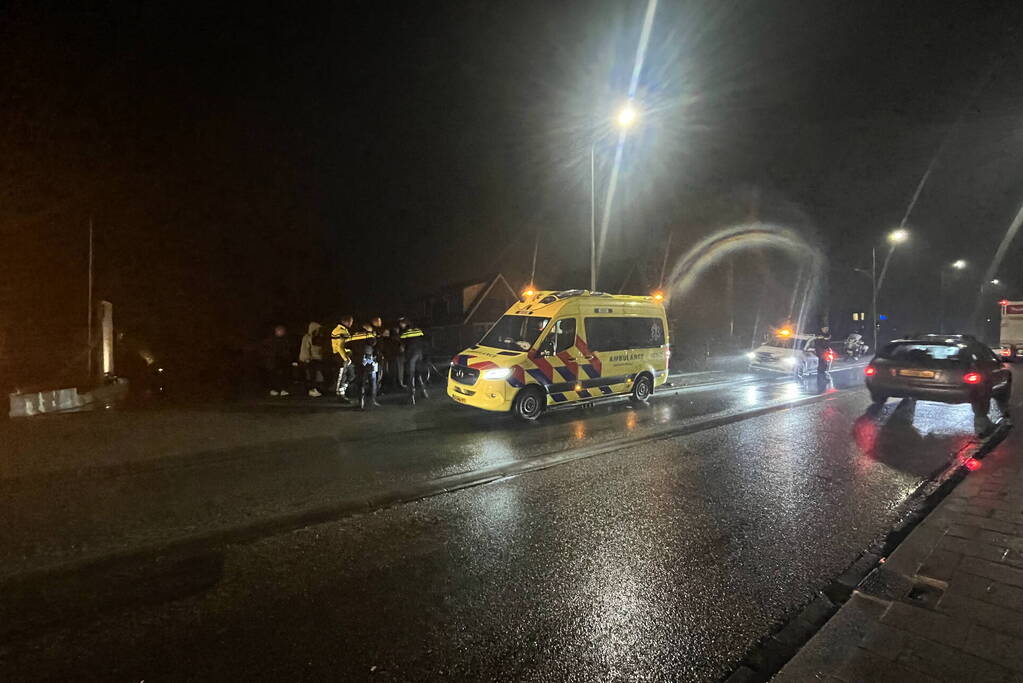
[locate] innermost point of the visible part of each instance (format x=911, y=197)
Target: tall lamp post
x=624, y=120
x=955, y=265
x=895, y=238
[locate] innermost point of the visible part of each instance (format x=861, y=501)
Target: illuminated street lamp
x=624, y=120
x=895, y=238
x=626, y=115
x=959, y=264
x=898, y=236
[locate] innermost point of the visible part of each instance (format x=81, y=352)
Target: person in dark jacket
x=364, y=356
x=278, y=361
x=414, y=341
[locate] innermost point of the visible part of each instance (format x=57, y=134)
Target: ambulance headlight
x=497, y=373
x=751, y=355
x=790, y=361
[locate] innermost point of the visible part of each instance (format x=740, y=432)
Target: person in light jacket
x=310, y=356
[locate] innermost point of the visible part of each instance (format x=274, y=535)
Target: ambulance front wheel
x=528, y=404
x=642, y=388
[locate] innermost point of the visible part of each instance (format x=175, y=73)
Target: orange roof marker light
x=784, y=332
x=529, y=292
x=658, y=296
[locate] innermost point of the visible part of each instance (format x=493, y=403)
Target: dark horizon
x=243, y=167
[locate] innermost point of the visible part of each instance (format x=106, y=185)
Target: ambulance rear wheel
x=642, y=388
x=528, y=404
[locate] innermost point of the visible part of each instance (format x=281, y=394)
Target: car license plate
x=459, y=399
x=925, y=374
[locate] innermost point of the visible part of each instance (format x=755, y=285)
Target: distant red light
x=829, y=355
x=1005, y=352
x=972, y=464
x=972, y=378
x=870, y=371
x=1003, y=302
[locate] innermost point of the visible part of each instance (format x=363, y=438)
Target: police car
x=785, y=353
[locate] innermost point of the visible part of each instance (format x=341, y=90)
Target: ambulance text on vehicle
x=562, y=348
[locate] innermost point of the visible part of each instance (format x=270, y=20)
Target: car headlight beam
x=497, y=373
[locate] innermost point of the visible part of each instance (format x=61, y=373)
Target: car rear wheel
x=642, y=388
x=528, y=404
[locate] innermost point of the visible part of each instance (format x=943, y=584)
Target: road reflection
x=906, y=434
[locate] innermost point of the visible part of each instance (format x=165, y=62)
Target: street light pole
x=625, y=118
x=873, y=294
x=941, y=296
x=942, y=274
x=593, y=217
x=895, y=238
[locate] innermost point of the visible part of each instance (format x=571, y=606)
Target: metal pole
x=873, y=295
x=884, y=268
x=89, y=342
x=941, y=296
x=593, y=217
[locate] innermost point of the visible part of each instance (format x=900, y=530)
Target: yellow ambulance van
x=564, y=348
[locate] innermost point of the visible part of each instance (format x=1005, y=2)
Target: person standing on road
x=310, y=356
x=340, y=336
x=367, y=367
x=399, y=355
x=820, y=345
x=278, y=361
x=389, y=347
x=415, y=362
x=379, y=331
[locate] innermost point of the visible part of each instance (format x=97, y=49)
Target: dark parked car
x=943, y=368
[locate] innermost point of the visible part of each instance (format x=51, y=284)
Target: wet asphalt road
x=148, y=503
x=665, y=559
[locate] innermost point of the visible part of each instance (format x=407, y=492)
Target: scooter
x=855, y=348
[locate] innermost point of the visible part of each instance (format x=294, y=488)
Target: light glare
x=898, y=236
x=626, y=116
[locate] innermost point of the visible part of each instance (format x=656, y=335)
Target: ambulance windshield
x=515, y=332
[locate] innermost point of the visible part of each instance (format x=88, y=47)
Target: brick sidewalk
x=947, y=605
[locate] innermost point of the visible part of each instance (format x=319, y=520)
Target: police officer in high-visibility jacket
x=340, y=336
x=414, y=341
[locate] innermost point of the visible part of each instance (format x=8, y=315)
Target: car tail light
x=870, y=371
x=972, y=378
x=1005, y=352
x=829, y=355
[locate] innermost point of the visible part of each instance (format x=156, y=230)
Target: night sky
x=250, y=163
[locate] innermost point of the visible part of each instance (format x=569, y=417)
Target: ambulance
x=554, y=349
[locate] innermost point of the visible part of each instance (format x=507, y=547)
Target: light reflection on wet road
x=665, y=559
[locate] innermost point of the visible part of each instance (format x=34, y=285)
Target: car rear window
x=910, y=352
